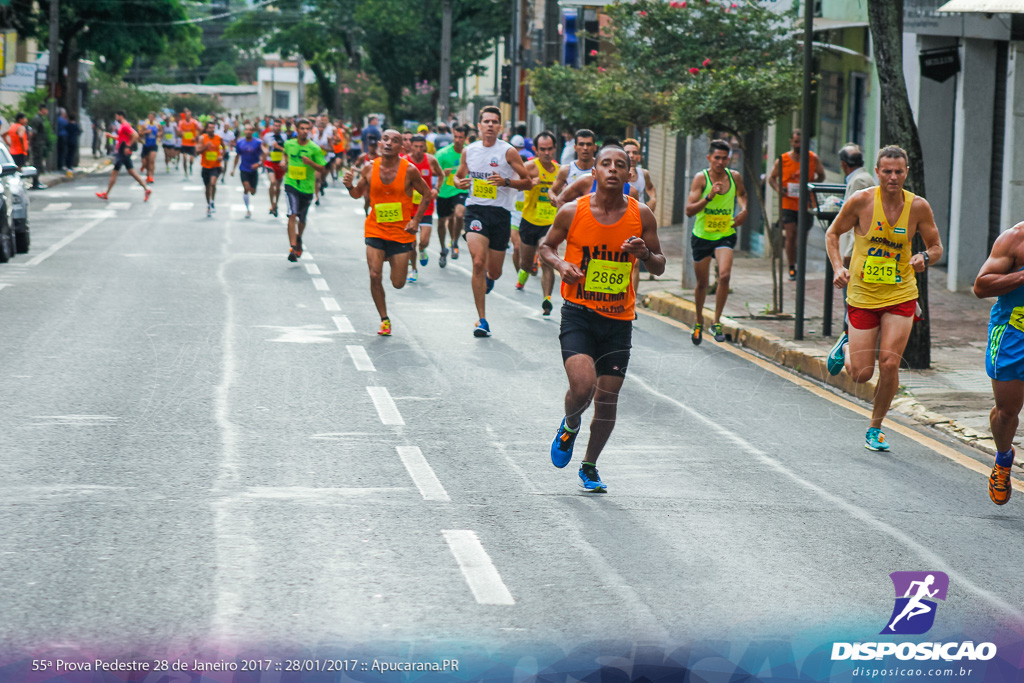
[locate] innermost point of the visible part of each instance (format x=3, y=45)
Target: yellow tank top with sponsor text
x=537, y=208
x=880, y=270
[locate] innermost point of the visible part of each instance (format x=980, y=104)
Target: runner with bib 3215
x=882, y=293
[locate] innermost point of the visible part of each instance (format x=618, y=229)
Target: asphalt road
x=205, y=443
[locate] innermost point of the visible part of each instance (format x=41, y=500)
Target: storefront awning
x=822, y=24
x=986, y=6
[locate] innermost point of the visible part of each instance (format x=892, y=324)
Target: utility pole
x=804, y=221
x=53, y=76
x=514, y=60
x=302, y=90
x=552, y=40
x=446, y=59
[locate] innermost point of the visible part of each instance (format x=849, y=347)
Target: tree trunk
x=886, y=20
x=324, y=87
x=69, y=83
x=771, y=229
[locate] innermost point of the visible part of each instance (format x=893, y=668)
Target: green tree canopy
x=112, y=32
x=222, y=73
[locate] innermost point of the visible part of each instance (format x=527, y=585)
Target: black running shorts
x=446, y=205
x=389, y=247
x=251, y=177
x=531, y=234
x=298, y=202
x=606, y=340
x=210, y=175
x=701, y=248
x=493, y=222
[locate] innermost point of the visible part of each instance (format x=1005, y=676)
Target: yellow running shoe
x=385, y=328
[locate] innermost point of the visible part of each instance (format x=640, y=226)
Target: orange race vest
x=390, y=207
x=607, y=288
x=212, y=153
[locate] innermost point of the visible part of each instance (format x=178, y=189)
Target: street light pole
x=446, y=59
x=52, y=74
x=804, y=220
x=514, y=59
x=302, y=90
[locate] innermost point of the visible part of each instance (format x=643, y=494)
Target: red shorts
x=870, y=318
x=277, y=168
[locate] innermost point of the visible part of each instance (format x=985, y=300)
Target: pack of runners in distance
x=493, y=194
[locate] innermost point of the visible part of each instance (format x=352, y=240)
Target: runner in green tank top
x=713, y=198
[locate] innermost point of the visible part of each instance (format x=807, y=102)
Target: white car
x=14, y=235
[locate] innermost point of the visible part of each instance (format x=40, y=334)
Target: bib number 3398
x=484, y=190
x=880, y=270
x=608, y=277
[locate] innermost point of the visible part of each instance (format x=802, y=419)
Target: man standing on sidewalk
x=882, y=287
x=851, y=160
x=39, y=144
x=1002, y=275
x=785, y=179
x=713, y=198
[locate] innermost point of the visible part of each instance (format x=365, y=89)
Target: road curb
x=54, y=179
x=813, y=364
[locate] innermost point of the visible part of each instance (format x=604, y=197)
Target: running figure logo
x=914, y=612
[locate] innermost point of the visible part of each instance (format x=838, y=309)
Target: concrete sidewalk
x=954, y=396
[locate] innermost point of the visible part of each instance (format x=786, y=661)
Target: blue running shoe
x=423, y=257
x=482, y=329
x=590, y=480
x=874, y=440
x=490, y=284
x=561, y=447
x=837, y=356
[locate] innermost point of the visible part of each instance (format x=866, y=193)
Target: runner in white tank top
x=493, y=172
x=584, y=165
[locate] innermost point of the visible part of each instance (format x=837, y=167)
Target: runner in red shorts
x=273, y=152
x=882, y=294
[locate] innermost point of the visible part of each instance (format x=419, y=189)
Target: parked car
x=14, y=232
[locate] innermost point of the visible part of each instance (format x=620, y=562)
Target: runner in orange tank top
x=392, y=221
x=605, y=233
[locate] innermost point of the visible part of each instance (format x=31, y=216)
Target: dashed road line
x=481, y=574
x=330, y=303
x=321, y=284
x=343, y=324
x=385, y=405
x=57, y=206
x=119, y=206
x=312, y=269
x=69, y=239
x=180, y=206
x=361, y=359
x=422, y=473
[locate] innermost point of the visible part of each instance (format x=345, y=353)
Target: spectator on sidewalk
x=371, y=129
x=16, y=138
x=39, y=144
x=851, y=160
x=97, y=137
x=62, y=139
x=74, y=136
x=569, y=149
x=785, y=179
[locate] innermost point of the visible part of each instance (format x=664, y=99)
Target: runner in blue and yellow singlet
x=1002, y=275
x=882, y=294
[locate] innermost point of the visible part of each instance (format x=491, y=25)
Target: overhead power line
x=185, y=22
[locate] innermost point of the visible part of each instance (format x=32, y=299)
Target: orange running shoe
x=385, y=328
x=148, y=192
x=999, y=485
x=102, y=195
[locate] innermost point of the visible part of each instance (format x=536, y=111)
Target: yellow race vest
x=880, y=270
x=537, y=208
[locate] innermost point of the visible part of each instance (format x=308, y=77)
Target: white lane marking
x=70, y=238
x=930, y=558
x=2, y=285
x=330, y=303
x=192, y=187
x=312, y=269
x=180, y=206
x=359, y=212
x=422, y=473
x=119, y=206
x=321, y=284
x=481, y=574
x=342, y=323
x=385, y=405
x=306, y=255
x=361, y=359
x=57, y=206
